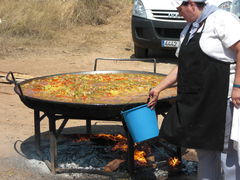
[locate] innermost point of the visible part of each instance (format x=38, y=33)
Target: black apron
x=197, y=119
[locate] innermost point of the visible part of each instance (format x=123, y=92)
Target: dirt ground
x=74, y=52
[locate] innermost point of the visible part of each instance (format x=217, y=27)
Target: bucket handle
x=148, y=99
x=131, y=99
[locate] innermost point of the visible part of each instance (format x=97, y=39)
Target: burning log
x=151, y=158
x=99, y=138
x=122, y=145
x=139, y=156
x=113, y=165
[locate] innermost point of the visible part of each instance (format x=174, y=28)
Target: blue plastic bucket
x=141, y=122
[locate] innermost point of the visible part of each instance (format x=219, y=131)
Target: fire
x=174, y=161
x=120, y=145
x=81, y=138
x=117, y=137
x=140, y=156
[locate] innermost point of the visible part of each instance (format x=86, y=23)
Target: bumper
x=150, y=34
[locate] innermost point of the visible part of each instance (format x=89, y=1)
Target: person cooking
x=208, y=87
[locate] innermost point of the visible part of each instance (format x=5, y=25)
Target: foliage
x=40, y=19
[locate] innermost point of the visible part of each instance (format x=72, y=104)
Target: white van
x=156, y=24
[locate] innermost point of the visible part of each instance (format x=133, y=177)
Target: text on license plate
x=167, y=43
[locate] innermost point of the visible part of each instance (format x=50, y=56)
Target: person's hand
x=236, y=97
x=153, y=97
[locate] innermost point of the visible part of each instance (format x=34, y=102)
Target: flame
x=81, y=138
x=120, y=145
x=174, y=161
x=140, y=156
x=117, y=137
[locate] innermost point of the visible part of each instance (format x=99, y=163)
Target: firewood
x=151, y=158
x=113, y=165
x=154, y=165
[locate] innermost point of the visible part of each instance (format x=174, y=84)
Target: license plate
x=167, y=43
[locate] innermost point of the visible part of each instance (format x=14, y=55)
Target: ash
x=85, y=155
x=94, y=156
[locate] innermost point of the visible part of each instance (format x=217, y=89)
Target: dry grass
x=41, y=19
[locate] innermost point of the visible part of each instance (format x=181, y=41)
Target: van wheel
x=140, y=52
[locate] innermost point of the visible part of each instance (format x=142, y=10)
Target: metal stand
x=132, y=59
x=53, y=136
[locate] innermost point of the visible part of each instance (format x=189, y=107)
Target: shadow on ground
x=27, y=150
x=27, y=147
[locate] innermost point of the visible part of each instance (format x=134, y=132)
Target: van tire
x=140, y=52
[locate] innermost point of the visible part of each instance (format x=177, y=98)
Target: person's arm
x=165, y=83
x=236, y=90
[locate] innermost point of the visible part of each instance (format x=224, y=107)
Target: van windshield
x=236, y=7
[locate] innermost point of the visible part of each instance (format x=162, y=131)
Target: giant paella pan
x=99, y=95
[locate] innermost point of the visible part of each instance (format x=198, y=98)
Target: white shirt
x=221, y=31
